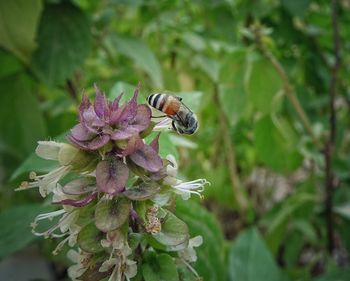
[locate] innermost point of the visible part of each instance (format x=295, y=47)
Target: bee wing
x=184, y=105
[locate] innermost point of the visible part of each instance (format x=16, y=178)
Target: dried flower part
x=152, y=224
x=114, y=209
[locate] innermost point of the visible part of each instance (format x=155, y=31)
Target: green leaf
x=186, y=274
x=18, y=24
x=34, y=163
x=89, y=239
x=293, y=248
x=64, y=42
x=15, y=231
x=80, y=186
x=191, y=99
x=343, y=210
x=263, y=83
x=143, y=191
x=9, y=64
x=21, y=122
x=231, y=91
x=195, y=41
x=111, y=214
x=180, y=141
x=277, y=224
x=250, y=259
x=86, y=214
x=222, y=192
x=140, y=53
x=159, y=268
x=338, y=275
x=208, y=66
x=234, y=103
x=125, y=88
x=297, y=8
x=174, y=231
x=273, y=144
x=211, y=254
x=306, y=228
x=165, y=144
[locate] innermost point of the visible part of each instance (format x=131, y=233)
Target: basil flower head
x=115, y=196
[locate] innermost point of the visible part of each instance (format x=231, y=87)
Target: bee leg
x=180, y=119
x=162, y=116
x=173, y=125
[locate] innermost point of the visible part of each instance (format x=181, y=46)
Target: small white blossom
x=189, y=254
x=114, y=239
x=131, y=269
x=108, y=264
x=185, y=189
x=77, y=269
x=47, y=182
x=63, y=224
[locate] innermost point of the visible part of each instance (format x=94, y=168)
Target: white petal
x=172, y=159
x=196, y=241
x=48, y=149
x=126, y=250
x=66, y=222
x=188, y=254
x=185, y=195
x=131, y=269
x=107, y=265
x=161, y=199
x=75, y=271
x=170, y=180
x=73, y=255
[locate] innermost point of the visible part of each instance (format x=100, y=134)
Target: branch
x=230, y=156
x=329, y=145
x=72, y=90
x=287, y=88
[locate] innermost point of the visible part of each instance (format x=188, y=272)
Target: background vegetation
x=269, y=80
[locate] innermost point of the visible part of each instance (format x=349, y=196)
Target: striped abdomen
x=168, y=104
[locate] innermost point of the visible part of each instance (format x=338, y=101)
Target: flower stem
x=329, y=144
x=230, y=156
x=288, y=88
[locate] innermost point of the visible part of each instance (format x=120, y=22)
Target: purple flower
x=112, y=173
x=106, y=121
x=147, y=156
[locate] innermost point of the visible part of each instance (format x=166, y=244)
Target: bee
x=184, y=120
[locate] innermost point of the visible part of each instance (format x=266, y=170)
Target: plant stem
x=230, y=156
x=288, y=88
x=329, y=145
x=71, y=89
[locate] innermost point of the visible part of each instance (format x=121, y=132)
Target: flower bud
x=48, y=149
x=70, y=155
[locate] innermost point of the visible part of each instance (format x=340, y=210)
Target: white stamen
x=49, y=215
x=46, y=182
x=190, y=268
x=185, y=189
x=60, y=246
x=62, y=224
x=114, y=272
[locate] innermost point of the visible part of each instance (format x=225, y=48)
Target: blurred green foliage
x=263, y=217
